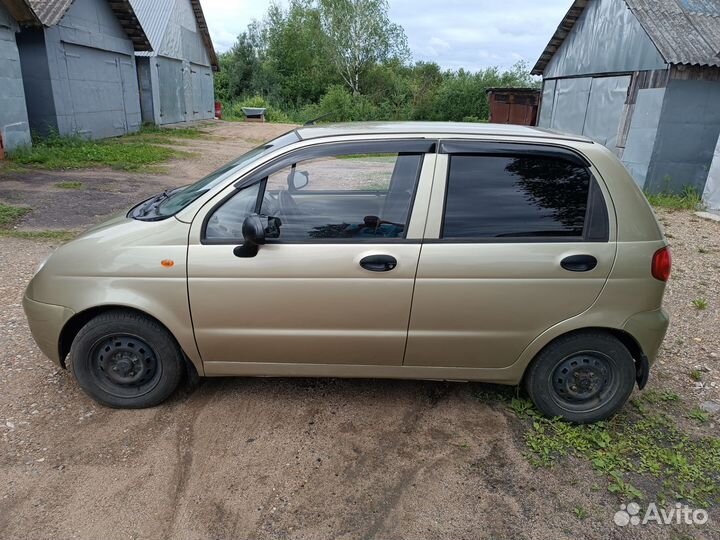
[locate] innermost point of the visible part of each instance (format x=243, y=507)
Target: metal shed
x=14, y=126
x=517, y=106
x=641, y=77
x=176, y=78
x=78, y=66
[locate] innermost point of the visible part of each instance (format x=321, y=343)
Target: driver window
x=226, y=223
x=343, y=197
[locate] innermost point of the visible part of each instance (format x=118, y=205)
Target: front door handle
x=379, y=263
x=579, y=263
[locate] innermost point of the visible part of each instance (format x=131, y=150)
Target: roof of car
x=440, y=129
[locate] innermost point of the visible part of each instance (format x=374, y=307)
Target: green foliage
x=700, y=304
x=360, y=35
x=305, y=61
x=9, y=215
x=700, y=415
x=631, y=449
x=580, y=512
x=688, y=199
x=69, y=185
x=59, y=236
x=132, y=152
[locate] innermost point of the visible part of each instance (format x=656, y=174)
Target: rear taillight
x=661, y=264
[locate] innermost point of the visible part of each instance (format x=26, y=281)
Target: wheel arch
x=80, y=319
x=626, y=338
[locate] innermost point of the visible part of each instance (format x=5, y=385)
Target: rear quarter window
x=522, y=197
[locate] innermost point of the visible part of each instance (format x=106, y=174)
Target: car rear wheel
x=126, y=360
x=583, y=378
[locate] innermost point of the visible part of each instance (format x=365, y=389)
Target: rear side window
x=522, y=197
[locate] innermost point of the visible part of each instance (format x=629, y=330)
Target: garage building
x=641, y=77
x=14, y=126
x=78, y=66
x=176, y=78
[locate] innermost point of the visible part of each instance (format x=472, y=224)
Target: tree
x=293, y=53
x=239, y=66
x=360, y=34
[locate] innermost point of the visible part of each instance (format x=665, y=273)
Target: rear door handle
x=379, y=263
x=579, y=263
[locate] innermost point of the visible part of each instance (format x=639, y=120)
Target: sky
x=472, y=34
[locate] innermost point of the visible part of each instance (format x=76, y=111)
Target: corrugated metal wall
x=14, y=125
x=686, y=137
x=83, y=74
x=180, y=76
x=607, y=38
x=590, y=106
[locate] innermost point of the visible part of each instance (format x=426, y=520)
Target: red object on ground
x=218, y=110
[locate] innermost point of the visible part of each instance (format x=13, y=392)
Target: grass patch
x=700, y=304
x=151, y=134
x=688, y=199
x=632, y=448
x=9, y=215
x=134, y=152
x=59, y=236
x=69, y=185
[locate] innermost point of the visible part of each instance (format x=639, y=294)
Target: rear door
x=518, y=239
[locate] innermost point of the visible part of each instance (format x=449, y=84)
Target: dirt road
x=296, y=459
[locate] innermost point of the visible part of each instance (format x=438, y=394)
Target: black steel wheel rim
x=584, y=381
x=124, y=365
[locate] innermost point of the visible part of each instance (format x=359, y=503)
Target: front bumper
x=46, y=321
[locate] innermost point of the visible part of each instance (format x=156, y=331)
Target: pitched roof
x=683, y=31
x=155, y=14
x=50, y=12
x=21, y=11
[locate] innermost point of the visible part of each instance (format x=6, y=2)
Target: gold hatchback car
x=463, y=252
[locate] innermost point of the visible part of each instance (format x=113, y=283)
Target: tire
x=583, y=378
x=126, y=360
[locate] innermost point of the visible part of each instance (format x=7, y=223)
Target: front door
x=333, y=284
x=518, y=239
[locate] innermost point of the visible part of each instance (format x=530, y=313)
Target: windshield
x=171, y=202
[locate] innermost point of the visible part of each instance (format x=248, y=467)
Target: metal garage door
x=202, y=92
x=103, y=92
x=172, y=90
x=586, y=106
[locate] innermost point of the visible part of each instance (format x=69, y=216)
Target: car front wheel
x=583, y=378
x=126, y=360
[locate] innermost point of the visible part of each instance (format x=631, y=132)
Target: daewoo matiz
x=463, y=252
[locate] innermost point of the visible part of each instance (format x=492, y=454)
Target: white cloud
x=472, y=34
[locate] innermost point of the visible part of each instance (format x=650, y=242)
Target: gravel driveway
x=310, y=458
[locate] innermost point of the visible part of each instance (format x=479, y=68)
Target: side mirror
x=253, y=230
x=298, y=180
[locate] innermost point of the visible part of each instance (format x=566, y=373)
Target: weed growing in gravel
x=69, y=185
x=9, y=215
x=633, y=447
x=700, y=304
x=580, y=512
x=700, y=415
x=688, y=199
x=696, y=375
